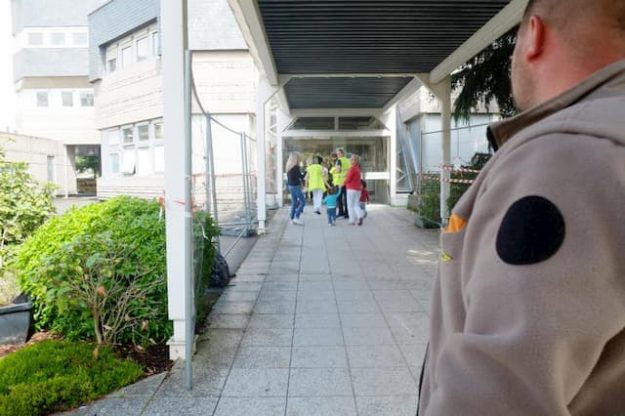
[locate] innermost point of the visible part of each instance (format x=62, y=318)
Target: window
x=114, y=162
x=128, y=135
x=128, y=166
x=143, y=132
x=142, y=49
x=42, y=98
x=35, y=39
x=126, y=56
x=112, y=65
x=51, y=170
x=159, y=159
x=67, y=98
x=158, y=130
x=86, y=99
x=113, y=136
x=144, y=161
x=80, y=39
x=155, y=45
x=57, y=39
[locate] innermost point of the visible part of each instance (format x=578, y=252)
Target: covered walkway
x=320, y=320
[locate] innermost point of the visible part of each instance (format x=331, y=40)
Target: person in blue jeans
x=294, y=185
x=330, y=202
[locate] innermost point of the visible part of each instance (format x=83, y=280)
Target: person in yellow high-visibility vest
x=345, y=165
x=315, y=182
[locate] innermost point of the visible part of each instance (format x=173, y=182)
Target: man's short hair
x=562, y=13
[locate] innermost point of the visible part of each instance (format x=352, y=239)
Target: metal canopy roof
x=424, y=39
x=343, y=92
x=396, y=36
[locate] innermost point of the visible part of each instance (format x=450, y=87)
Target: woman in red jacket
x=352, y=183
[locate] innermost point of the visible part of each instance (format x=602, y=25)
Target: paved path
x=319, y=321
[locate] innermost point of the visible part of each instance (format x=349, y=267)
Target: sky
x=7, y=90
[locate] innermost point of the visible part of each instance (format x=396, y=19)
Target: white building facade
x=125, y=68
x=55, y=98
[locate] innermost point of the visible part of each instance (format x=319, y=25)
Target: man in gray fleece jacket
x=528, y=314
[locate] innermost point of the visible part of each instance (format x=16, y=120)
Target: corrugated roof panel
x=396, y=36
x=343, y=92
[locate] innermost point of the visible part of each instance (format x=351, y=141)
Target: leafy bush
x=51, y=262
x=429, y=201
x=428, y=208
x=101, y=270
x=204, y=251
x=24, y=205
x=56, y=375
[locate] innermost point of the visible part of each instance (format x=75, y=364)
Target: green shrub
x=52, y=264
x=24, y=205
x=117, y=248
x=428, y=208
x=204, y=231
x=56, y=375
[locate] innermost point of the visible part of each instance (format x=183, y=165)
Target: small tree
x=24, y=204
x=88, y=163
x=104, y=289
x=486, y=78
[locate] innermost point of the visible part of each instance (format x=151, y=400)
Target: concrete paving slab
x=306, y=382
x=263, y=357
x=317, y=406
x=251, y=406
x=277, y=321
x=392, y=405
x=319, y=357
x=255, y=383
x=188, y=406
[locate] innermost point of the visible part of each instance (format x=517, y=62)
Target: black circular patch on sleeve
x=531, y=231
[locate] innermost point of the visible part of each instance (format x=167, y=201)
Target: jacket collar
x=500, y=132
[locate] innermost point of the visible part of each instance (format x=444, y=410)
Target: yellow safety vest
x=315, y=177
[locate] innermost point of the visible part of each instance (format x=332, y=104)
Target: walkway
x=319, y=321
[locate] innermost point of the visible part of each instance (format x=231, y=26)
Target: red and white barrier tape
x=450, y=168
x=438, y=178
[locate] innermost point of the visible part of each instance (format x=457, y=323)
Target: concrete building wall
x=212, y=26
x=68, y=117
x=48, y=13
x=47, y=159
x=128, y=96
x=50, y=63
x=114, y=20
x=226, y=81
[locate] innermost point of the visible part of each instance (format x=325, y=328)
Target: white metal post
x=392, y=151
x=283, y=122
x=264, y=93
x=442, y=91
x=177, y=169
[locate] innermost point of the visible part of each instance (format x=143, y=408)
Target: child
x=364, y=197
x=330, y=202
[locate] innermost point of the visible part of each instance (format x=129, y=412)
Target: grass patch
x=57, y=375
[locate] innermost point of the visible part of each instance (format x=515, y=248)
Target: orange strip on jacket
x=456, y=224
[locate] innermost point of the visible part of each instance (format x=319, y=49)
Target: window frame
x=139, y=126
x=47, y=99
x=127, y=127
x=140, y=58
x=71, y=96
x=62, y=36
x=89, y=94
x=29, y=39
x=122, y=49
x=116, y=153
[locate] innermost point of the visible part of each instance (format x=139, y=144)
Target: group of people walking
x=339, y=179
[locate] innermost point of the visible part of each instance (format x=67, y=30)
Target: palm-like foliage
x=486, y=77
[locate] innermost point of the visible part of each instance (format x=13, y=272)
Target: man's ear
x=535, y=38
